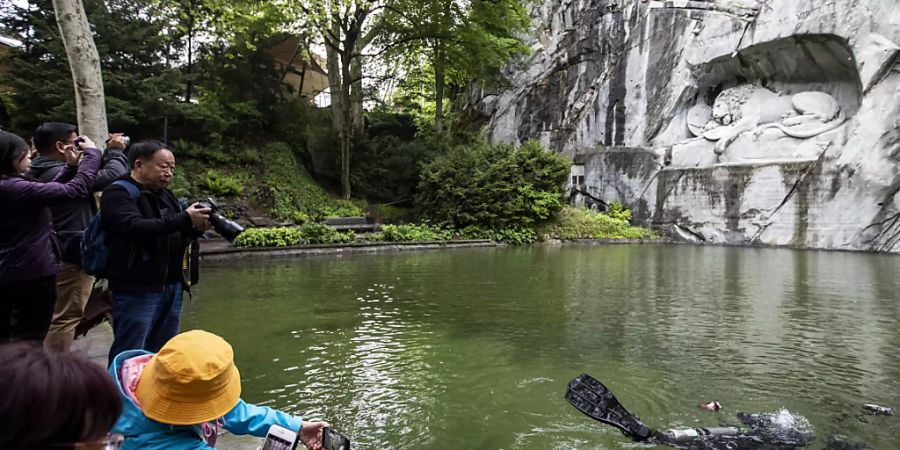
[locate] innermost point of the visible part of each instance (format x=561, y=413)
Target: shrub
x=248, y=156
x=269, y=237
x=580, y=223
x=319, y=233
x=422, y=232
x=513, y=236
x=309, y=233
x=618, y=211
x=290, y=187
x=392, y=214
x=341, y=208
x=219, y=184
x=493, y=186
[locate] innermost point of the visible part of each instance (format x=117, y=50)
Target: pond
x=473, y=348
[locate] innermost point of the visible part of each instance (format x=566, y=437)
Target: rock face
x=727, y=121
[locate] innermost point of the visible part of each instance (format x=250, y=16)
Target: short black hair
x=53, y=398
x=11, y=149
x=144, y=150
x=49, y=133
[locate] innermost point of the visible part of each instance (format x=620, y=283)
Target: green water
x=472, y=349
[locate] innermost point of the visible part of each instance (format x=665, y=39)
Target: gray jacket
x=72, y=217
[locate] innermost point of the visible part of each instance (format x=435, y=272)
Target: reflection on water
x=473, y=348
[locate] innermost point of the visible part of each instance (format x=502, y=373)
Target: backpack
x=94, y=251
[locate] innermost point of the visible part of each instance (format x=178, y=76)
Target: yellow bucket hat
x=191, y=380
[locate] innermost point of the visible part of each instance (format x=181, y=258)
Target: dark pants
x=26, y=309
x=145, y=320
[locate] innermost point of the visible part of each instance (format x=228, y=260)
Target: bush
x=269, y=237
x=513, y=236
x=493, y=186
x=310, y=233
x=342, y=208
x=618, y=211
x=423, y=232
x=319, y=233
x=289, y=186
x=580, y=223
x=387, y=164
x=219, y=184
x=392, y=214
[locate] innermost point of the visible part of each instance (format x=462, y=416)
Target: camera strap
x=190, y=264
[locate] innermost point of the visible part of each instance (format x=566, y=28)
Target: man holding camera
x=148, y=233
x=70, y=218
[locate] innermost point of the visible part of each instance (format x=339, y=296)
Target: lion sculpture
x=750, y=107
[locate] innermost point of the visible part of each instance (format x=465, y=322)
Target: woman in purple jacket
x=29, y=255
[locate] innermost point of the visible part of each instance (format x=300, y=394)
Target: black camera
x=229, y=229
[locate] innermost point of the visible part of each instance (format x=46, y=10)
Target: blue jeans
x=145, y=320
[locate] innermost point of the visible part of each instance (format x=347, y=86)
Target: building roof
x=314, y=77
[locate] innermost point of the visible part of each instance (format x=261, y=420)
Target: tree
x=132, y=47
x=84, y=62
x=345, y=29
x=460, y=40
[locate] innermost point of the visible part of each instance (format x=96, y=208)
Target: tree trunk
x=356, y=96
x=439, y=90
x=333, y=62
x=347, y=130
x=84, y=61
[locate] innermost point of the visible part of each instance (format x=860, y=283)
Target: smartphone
x=332, y=440
x=280, y=438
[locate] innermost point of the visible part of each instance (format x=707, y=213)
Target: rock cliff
x=725, y=121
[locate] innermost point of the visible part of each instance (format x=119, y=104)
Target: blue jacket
x=143, y=433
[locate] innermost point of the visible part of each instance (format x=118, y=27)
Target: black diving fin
x=593, y=398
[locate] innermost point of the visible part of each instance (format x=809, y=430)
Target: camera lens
x=227, y=228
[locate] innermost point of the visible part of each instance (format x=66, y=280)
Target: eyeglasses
x=111, y=442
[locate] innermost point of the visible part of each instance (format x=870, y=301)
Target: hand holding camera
x=117, y=141
x=73, y=155
x=229, y=229
x=83, y=142
x=199, y=214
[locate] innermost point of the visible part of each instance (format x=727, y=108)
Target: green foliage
x=269, y=237
x=300, y=217
x=493, y=186
x=139, y=87
x=342, y=208
x=180, y=185
x=512, y=236
x=618, y=211
x=580, y=223
x=392, y=214
x=308, y=234
x=288, y=186
x=219, y=184
x=249, y=156
x=386, y=165
x=421, y=232
x=319, y=233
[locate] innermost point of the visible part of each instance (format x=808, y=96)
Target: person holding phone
x=178, y=398
x=29, y=254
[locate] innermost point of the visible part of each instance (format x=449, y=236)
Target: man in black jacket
x=70, y=218
x=147, y=239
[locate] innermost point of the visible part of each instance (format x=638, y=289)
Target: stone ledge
x=224, y=254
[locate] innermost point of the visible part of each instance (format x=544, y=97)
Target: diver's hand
x=311, y=434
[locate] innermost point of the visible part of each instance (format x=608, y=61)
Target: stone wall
x=625, y=86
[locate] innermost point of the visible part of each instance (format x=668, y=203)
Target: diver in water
x=766, y=431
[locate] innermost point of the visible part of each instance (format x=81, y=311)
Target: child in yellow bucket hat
x=177, y=398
